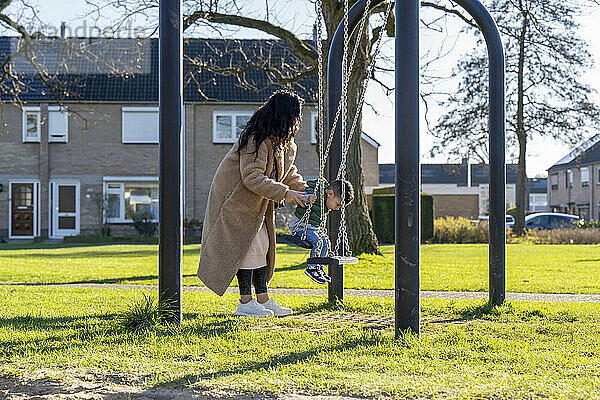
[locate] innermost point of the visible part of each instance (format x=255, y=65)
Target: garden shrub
x=192, y=227
x=144, y=224
x=586, y=224
x=426, y=217
x=559, y=236
x=384, y=219
x=460, y=230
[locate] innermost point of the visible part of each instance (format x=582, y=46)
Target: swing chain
x=350, y=67
x=370, y=69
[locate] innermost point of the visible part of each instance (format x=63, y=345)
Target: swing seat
x=295, y=240
x=333, y=260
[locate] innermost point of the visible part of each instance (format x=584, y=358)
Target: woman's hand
x=295, y=198
x=312, y=198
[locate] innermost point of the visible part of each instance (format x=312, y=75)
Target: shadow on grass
x=292, y=267
x=482, y=311
x=123, y=280
x=30, y=322
x=86, y=254
x=326, y=306
x=39, y=246
x=279, y=361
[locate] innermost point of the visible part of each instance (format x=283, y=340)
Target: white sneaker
x=277, y=309
x=252, y=309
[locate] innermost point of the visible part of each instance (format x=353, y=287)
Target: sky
x=378, y=117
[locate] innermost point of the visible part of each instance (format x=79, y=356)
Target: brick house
x=574, y=181
x=458, y=190
x=67, y=169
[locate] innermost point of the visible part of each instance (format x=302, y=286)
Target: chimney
x=465, y=161
x=469, y=173
x=63, y=28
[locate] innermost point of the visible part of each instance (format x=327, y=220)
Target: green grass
x=530, y=268
x=466, y=350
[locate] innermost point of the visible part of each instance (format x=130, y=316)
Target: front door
x=22, y=209
x=65, y=206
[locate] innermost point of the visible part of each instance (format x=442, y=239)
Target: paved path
x=426, y=294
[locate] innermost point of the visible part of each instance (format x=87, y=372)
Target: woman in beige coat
x=258, y=173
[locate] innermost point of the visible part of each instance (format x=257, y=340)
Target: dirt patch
x=77, y=389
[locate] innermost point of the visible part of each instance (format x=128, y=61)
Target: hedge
x=383, y=216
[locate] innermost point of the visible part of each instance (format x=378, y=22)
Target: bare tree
x=55, y=67
x=287, y=67
x=545, y=58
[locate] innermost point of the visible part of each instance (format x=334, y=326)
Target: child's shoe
x=324, y=274
x=317, y=274
x=252, y=309
x=278, y=310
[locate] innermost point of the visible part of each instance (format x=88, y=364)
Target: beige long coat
x=241, y=193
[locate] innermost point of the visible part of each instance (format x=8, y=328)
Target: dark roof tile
x=449, y=173
x=126, y=70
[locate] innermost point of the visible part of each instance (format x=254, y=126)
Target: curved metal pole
x=497, y=268
x=334, y=93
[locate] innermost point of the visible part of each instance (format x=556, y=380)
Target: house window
x=585, y=176
x=598, y=175
x=538, y=202
x=123, y=200
x=139, y=124
x=314, y=118
x=569, y=178
x=227, y=125
x=554, y=181
x=31, y=124
x=58, y=124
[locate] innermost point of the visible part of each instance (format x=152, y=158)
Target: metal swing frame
x=407, y=260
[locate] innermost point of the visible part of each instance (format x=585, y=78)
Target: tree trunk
x=360, y=229
x=521, y=189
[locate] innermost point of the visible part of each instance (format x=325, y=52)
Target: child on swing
x=299, y=224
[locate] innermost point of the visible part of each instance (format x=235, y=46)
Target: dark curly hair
x=336, y=186
x=279, y=118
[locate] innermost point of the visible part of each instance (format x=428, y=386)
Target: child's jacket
x=315, y=211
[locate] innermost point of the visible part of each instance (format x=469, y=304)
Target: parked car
x=510, y=220
x=548, y=220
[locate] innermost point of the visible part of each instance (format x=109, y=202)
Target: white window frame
x=31, y=110
x=141, y=181
x=569, y=178
x=233, y=115
x=554, y=181
x=143, y=109
x=585, y=182
x=62, y=138
x=313, y=126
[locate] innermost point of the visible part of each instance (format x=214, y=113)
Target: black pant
x=249, y=277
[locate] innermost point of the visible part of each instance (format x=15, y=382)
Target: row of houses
x=462, y=190
x=574, y=181
x=90, y=160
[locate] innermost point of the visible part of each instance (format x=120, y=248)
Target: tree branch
x=306, y=53
x=450, y=11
